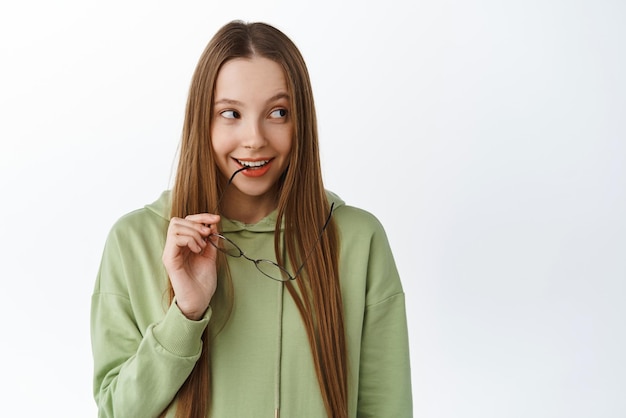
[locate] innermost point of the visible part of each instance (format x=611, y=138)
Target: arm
x=384, y=370
x=143, y=350
x=138, y=374
x=385, y=375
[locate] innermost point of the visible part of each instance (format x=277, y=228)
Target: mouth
x=253, y=165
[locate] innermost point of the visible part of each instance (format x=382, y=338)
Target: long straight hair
x=302, y=204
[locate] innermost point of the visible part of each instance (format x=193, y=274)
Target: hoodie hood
x=163, y=205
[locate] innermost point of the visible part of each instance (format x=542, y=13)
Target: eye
x=278, y=113
x=230, y=114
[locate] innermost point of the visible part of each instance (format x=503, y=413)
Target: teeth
x=253, y=163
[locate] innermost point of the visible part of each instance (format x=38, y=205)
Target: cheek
x=220, y=142
x=284, y=141
x=285, y=147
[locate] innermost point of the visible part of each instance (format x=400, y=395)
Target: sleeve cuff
x=180, y=335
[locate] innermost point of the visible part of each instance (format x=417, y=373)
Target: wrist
x=191, y=314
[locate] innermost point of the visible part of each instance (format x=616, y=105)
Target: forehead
x=245, y=79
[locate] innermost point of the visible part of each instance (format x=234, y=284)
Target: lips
x=256, y=167
x=253, y=164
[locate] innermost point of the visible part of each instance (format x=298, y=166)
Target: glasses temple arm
x=330, y=214
x=230, y=180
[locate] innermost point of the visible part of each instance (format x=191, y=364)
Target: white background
x=489, y=137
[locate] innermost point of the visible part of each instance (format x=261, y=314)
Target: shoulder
x=353, y=220
x=131, y=263
x=150, y=219
x=350, y=217
x=359, y=230
x=367, y=262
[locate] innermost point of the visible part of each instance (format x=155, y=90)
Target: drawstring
x=279, y=347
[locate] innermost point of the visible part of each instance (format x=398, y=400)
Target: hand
x=190, y=262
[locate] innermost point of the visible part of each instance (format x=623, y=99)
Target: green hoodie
x=144, y=347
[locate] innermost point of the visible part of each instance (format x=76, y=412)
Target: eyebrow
x=281, y=95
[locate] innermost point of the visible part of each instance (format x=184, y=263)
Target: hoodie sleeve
x=385, y=381
x=377, y=330
x=385, y=375
x=141, y=358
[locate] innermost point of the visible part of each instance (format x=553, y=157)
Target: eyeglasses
x=268, y=267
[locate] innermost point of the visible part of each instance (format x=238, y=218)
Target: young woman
x=249, y=290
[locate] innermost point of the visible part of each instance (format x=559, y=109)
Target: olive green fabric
x=144, y=347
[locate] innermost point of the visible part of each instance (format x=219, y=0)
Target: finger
x=185, y=234
x=209, y=251
x=203, y=218
x=187, y=227
x=194, y=243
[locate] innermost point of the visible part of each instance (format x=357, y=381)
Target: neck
x=248, y=209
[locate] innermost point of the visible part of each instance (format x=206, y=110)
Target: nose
x=253, y=135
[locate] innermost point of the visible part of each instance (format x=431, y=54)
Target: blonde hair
x=302, y=204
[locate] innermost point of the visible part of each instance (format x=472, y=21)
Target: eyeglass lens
x=267, y=267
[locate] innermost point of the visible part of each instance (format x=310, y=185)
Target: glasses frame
x=286, y=275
